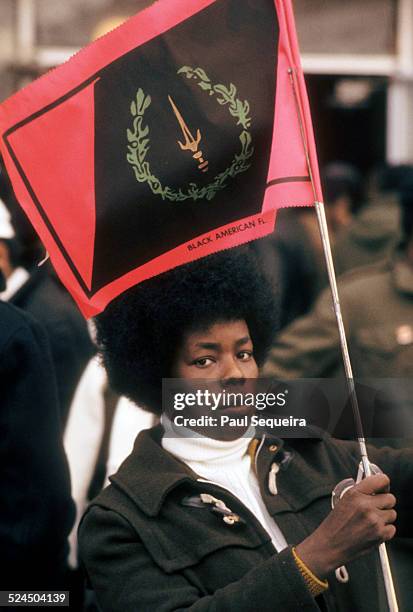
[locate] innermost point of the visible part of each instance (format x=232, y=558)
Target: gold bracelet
x=314, y=584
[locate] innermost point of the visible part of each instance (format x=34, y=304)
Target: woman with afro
x=227, y=523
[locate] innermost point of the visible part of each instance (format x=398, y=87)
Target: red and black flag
x=178, y=134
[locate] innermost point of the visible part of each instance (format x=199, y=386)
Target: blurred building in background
x=358, y=58
x=357, y=55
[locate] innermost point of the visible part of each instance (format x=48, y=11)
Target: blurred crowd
x=61, y=423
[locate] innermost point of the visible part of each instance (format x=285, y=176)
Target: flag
x=176, y=135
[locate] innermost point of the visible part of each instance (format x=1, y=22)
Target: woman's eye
x=204, y=362
x=245, y=355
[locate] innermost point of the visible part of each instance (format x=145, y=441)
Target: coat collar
x=150, y=473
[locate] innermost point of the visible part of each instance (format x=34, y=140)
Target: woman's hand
x=362, y=519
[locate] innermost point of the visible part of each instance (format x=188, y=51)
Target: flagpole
x=325, y=238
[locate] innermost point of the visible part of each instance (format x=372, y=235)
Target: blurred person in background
x=344, y=194
x=37, y=291
x=293, y=258
x=100, y=432
x=36, y=510
x=374, y=231
x=377, y=305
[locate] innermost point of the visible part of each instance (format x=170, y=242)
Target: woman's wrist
x=315, y=557
x=315, y=585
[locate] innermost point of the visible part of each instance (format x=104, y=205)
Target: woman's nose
x=232, y=372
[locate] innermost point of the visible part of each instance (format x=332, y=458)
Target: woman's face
x=218, y=360
x=222, y=352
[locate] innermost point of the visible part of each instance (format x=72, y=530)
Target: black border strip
x=52, y=105
x=289, y=179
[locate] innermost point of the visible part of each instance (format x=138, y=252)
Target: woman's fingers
x=385, y=501
x=388, y=516
x=373, y=485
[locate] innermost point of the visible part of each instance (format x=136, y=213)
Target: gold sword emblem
x=191, y=143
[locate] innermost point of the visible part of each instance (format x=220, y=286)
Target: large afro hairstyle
x=140, y=331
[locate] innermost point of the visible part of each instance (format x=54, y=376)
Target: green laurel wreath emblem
x=139, y=141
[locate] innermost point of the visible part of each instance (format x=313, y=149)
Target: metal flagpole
x=322, y=224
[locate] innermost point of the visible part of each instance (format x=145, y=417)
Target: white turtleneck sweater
x=226, y=464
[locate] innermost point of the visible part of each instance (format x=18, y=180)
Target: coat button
x=231, y=519
x=273, y=448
